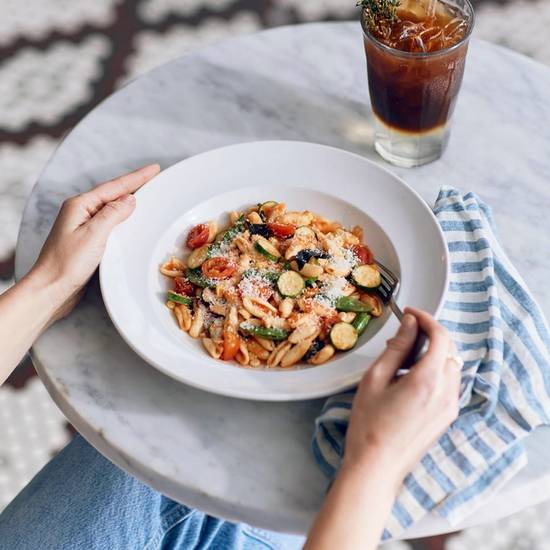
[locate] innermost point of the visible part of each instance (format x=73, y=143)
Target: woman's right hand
x=395, y=421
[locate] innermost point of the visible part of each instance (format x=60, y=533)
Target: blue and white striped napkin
x=505, y=343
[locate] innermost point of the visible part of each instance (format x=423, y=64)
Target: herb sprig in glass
x=379, y=13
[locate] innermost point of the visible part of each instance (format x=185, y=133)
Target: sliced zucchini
x=343, y=336
x=197, y=278
x=366, y=277
x=360, y=322
x=180, y=298
x=290, y=284
x=306, y=233
x=198, y=256
x=264, y=332
x=346, y=303
x=266, y=208
x=263, y=246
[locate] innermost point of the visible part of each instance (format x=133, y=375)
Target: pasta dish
x=274, y=287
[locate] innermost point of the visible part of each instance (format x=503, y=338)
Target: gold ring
x=455, y=358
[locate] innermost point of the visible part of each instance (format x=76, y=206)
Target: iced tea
x=415, y=64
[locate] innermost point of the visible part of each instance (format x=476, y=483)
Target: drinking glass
x=413, y=95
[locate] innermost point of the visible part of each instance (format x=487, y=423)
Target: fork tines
x=388, y=285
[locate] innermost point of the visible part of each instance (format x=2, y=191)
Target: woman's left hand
x=77, y=240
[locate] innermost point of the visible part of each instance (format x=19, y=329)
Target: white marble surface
x=244, y=460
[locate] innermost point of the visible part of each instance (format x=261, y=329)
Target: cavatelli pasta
x=273, y=289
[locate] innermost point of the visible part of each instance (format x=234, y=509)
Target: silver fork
x=387, y=291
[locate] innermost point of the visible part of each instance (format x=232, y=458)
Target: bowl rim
x=273, y=397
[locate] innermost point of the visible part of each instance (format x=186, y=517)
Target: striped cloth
x=504, y=341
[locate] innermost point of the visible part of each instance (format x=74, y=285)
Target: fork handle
x=419, y=343
x=396, y=309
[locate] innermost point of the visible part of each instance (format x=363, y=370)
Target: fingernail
x=130, y=199
x=151, y=169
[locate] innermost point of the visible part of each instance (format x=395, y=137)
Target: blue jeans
x=80, y=500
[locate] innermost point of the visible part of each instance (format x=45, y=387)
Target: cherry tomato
x=183, y=286
x=281, y=230
x=231, y=343
x=363, y=253
x=198, y=236
x=218, y=268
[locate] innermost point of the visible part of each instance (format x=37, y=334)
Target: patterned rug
x=60, y=58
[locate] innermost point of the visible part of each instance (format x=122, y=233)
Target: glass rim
x=367, y=34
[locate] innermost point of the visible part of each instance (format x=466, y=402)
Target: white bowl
x=399, y=227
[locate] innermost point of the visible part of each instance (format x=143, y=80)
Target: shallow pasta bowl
x=399, y=227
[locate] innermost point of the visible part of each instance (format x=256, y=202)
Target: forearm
x=25, y=311
x=356, y=508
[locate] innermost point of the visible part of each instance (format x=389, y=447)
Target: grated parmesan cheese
x=255, y=285
x=344, y=262
x=331, y=289
x=221, y=249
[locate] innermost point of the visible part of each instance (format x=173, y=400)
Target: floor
x=59, y=58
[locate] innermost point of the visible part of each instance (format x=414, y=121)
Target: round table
x=251, y=461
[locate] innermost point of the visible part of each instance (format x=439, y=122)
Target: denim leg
x=80, y=500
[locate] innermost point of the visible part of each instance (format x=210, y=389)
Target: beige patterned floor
x=57, y=54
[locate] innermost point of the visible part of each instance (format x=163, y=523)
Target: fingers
x=92, y=201
x=441, y=367
x=80, y=208
x=383, y=370
x=111, y=215
x=123, y=185
x=440, y=341
x=453, y=368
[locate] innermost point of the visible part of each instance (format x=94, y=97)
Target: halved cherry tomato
x=363, y=253
x=218, y=268
x=183, y=286
x=198, y=236
x=231, y=343
x=281, y=230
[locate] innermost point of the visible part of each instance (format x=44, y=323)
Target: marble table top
x=244, y=460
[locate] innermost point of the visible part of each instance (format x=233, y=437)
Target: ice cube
x=442, y=10
x=454, y=31
x=433, y=38
x=412, y=10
